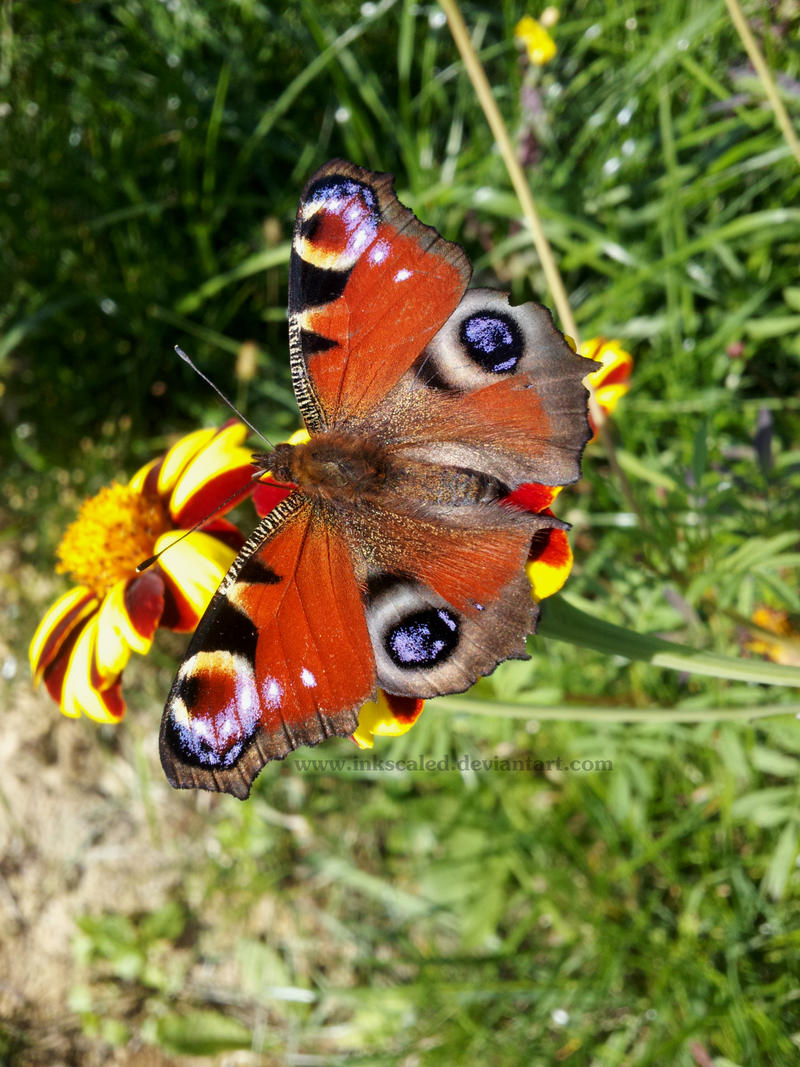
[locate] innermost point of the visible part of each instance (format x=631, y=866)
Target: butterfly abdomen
x=419, y=484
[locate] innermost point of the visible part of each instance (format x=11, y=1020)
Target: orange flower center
x=113, y=532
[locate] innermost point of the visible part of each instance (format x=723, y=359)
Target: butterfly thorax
x=332, y=466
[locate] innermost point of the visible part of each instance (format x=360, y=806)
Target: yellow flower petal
x=539, y=45
x=196, y=566
x=611, y=381
x=223, y=452
x=52, y=631
x=79, y=694
x=549, y=572
x=116, y=635
x=616, y=363
x=181, y=453
x=377, y=719
x=608, y=396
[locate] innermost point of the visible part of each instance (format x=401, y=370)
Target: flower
x=85, y=639
x=550, y=557
x=538, y=43
x=784, y=646
x=611, y=381
x=386, y=716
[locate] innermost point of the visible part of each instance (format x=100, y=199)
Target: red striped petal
x=144, y=602
x=224, y=490
x=225, y=532
x=268, y=495
x=70, y=612
x=549, y=563
x=388, y=716
x=404, y=709
x=532, y=497
x=56, y=670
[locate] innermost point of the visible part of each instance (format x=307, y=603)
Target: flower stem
x=483, y=91
x=767, y=81
x=591, y=713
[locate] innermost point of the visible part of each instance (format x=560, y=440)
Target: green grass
x=152, y=158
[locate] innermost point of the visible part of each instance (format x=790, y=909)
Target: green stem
x=593, y=713
x=564, y=622
x=763, y=71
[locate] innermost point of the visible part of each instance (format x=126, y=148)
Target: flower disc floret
x=114, y=531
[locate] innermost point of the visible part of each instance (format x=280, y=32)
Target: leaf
x=773, y=762
x=773, y=326
x=202, y=1033
x=167, y=922
x=765, y=807
x=781, y=863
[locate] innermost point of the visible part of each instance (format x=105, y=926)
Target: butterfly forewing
x=369, y=286
x=281, y=658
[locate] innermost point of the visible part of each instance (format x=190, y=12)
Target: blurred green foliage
x=152, y=155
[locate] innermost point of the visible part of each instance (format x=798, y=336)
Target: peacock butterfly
x=393, y=562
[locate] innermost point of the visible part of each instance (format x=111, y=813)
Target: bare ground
x=78, y=835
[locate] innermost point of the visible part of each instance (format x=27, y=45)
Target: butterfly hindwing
x=424, y=647
x=369, y=286
x=447, y=598
x=281, y=657
x=497, y=390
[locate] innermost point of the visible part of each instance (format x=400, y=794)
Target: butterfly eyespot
x=493, y=341
x=483, y=340
x=415, y=635
x=213, y=709
x=336, y=192
x=195, y=749
x=423, y=638
x=339, y=222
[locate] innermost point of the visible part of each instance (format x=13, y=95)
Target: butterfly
x=393, y=562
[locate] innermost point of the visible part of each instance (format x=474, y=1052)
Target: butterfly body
x=347, y=470
x=396, y=561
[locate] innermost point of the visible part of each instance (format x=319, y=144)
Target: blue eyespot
x=493, y=341
x=423, y=638
x=336, y=188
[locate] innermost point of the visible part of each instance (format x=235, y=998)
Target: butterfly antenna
x=200, y=522
x=222, y=396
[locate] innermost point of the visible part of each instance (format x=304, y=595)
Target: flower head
x=538, y=43
x=774, y=636
x=612, y=379
x=85, y=639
